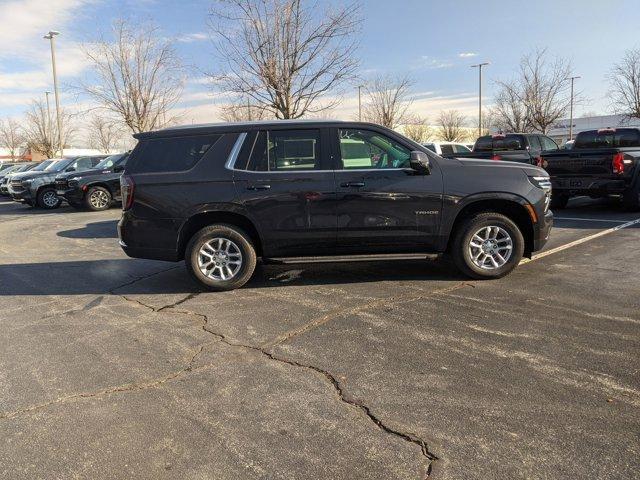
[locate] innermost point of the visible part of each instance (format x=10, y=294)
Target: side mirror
x=420, y=162
x=118, y=169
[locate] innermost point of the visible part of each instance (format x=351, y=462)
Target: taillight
x=618, y=163
x=496, y=157
x=127, y=187
x=539, y=162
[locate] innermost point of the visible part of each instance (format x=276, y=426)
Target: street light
x=360, y=102
x=51, y=37
x=48, y=128
x=479, y=67
x=571, y=108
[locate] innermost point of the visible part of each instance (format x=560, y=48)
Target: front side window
x=461, y=149
x=364, y=149
x=84, y=163
x=548, y=144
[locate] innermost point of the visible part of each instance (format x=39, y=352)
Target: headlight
x=26, y=183
x=541, y=182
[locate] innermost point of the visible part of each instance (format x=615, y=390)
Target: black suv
x=221, y=195
x=94, y=189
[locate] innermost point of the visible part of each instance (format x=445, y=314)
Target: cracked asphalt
x=112, y=367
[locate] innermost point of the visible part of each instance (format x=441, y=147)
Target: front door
x=287, y=188
x=382, y=204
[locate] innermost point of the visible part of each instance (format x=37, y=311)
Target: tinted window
x=548, y=144
x=489, y=143
x=621, y=137
x=109, y=161
x=294, y=150
x=173, y=154
x=460, y=149
x=534, y=142
x=431, y=147
x=367, y=149
x=446, y=149
x=84, y=163
x=42, y=166
x=258, y=153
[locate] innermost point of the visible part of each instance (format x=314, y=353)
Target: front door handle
x=352, y=184
x=258, y=187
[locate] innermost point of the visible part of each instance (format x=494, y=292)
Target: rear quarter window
x=170, y=154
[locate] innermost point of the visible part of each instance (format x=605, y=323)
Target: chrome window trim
x=235, y=151
x=322, y=171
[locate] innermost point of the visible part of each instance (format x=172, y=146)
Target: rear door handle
x=258, y=187
x=352, y=184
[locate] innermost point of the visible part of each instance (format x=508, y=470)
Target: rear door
x=286, y=186
x=383, y=205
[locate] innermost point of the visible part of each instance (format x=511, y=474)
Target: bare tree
x=417, y=129
x=104, y=133
x=452, y=126
x=41, y=133
x=243, y=111
x=509, y=111
x=541, y=86
x=137, y=77
x=624, y=85
x=388, y=100
x=11, y=137
x=284, y=54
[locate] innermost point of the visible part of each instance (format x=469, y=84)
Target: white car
x=447, y=148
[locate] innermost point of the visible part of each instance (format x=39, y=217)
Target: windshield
x=42, y=166
x=111, y=161
x=489, y=143
x=59, y=165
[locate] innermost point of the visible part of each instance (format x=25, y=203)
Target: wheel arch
x=203, y=219
x=512, y=207
x=85, y=188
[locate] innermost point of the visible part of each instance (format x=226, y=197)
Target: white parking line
x=592, y=219
x=581, y=240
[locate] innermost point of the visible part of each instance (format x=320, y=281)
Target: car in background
x=447, y=148
x=37, y=188
x=512, y=147
x=5, y=165
x=221, y=195
x=568, y=145
x=601, y=163
x=94, y=189
x=7, y=174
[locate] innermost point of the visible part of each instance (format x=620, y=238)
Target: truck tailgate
x=580, y=162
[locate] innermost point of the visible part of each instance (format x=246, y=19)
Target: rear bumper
x=153, y=239
x=542, y=230
x=589, y=185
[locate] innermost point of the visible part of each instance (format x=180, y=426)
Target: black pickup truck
x=513, y=147
x=601, y=163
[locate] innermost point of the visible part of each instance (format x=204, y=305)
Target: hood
x=84, y=173
x=530, y=170
x=29, y=175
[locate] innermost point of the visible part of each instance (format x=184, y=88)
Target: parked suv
x=221, y=195
x=37, y=188
x=94, y=189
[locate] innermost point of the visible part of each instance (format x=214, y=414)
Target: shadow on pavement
x=104, y=229
x=106, y=276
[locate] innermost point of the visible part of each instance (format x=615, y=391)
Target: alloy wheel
x=99, y=199
x=490, y=247
x=219, y=259
x=50, y=199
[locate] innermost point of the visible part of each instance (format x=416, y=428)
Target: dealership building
x=560, y=131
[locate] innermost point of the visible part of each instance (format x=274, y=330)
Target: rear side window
x=621, y=137
x=172, y=154
x=446, y=149
x=285, y=150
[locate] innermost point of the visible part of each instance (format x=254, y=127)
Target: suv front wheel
x=221, y=257
x=487, y=245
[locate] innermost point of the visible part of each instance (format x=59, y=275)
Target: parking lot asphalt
x=112, y=367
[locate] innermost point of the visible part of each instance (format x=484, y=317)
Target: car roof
x=246, y=126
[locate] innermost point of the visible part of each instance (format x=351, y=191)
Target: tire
x=502, y=231
x=98, y=199
x=48, y=199
x=223, y=238
x=559, y=201
x=631, y=197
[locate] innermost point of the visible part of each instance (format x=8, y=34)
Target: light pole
x=46, y=94
x=571, y=108
x=51, y=37
x=479, y=67
x=360, y=103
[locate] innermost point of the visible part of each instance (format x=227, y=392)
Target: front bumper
x=542, y=231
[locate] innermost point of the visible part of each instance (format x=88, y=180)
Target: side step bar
x=352, y=258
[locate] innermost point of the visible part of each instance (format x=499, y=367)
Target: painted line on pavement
x=592, y=219
x=581, y=240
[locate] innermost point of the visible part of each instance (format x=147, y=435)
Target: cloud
x=467, y=54
x=431, y=63
x=193, y=37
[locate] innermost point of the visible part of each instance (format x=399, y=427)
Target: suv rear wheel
x=221, y=257
x=48, y=199
x=487, y=245
x=97, y=198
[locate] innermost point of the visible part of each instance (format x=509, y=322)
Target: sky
x=434, y=42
